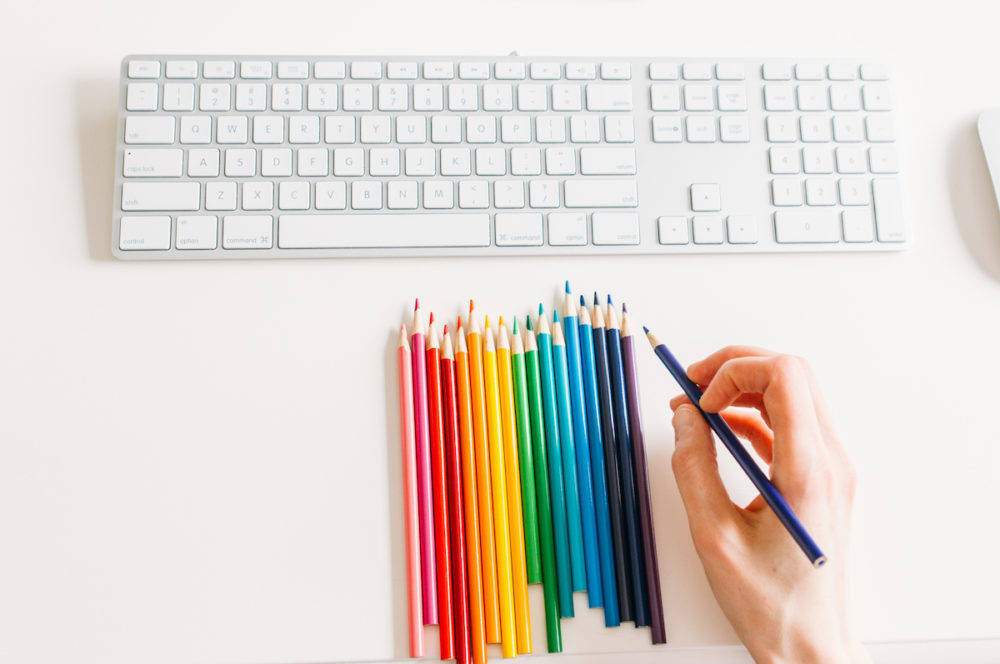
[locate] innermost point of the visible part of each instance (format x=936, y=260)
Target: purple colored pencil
x=657, y=627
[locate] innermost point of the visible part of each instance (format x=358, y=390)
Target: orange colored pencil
x=408, y=439
x=439, y=494
x=472, y=543
x=512, y=476
x=491, y=607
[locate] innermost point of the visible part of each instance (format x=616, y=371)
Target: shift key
x=587, y=192
x=160, y=196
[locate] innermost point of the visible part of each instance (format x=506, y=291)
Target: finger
x=744, y=401
x=696, y=471
x=703, y=371
x=787, y=399
x=749, y=425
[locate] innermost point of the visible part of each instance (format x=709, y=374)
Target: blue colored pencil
x=601, y=509
x=560, y=529
x=636, y=560
x=771, y=495
x=623, y=583
x=581, y=439
x=566, y=440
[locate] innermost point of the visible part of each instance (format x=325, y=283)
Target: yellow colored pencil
x=491, y=612
x=512, y=475
x=494, y=428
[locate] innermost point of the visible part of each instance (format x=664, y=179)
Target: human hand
x=782, y=608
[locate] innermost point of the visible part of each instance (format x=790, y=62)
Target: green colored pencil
x=560, y=525
x=526, y=465
x=550, y=586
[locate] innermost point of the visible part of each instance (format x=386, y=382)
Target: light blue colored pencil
x=602, y=510
x=568, y=445
x=581, y=440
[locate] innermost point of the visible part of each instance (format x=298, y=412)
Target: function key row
x=370, y=70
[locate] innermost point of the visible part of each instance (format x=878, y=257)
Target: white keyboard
x=266, y=157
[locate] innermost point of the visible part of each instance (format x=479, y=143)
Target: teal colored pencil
x=560, y=528
x=581, y=441
x=567, y=443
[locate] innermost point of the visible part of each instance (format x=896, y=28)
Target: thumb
x=696, y=471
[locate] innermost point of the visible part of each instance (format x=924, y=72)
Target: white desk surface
x=199, y=460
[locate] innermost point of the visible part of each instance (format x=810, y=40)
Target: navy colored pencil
x=770, y=493
x=613, y=475
x=637, y=565
x=653, y=594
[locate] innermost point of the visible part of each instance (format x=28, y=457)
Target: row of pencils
x=524, y=462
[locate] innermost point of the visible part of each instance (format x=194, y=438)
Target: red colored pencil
x=405, y=366
x=428, y=577
x=435, y=422
x=460, y=608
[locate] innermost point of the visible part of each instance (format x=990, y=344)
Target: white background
x=198, y=461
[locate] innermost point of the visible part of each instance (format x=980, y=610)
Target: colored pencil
x=594, y=437
x=616, y=510
x=653, y=594
x=623, y=442
x=406, y=425
x=459, y=579
x=768, y=491
x=512, y=476
x=428, y=574
x=491, y=607
x=526, y=465
x=568, y=447
x=560, y=528
x=581, y=441
x=439, y=479
x=473, y=553
x=501, y=525
x=539, y=456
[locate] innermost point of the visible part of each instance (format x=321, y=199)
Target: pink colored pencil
x=428, y=575
x=406, y=427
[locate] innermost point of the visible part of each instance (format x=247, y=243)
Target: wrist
x=811, y=650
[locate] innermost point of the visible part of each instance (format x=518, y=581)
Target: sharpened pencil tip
x=416, y=304
x=527, y=322
x=432, y=318
x=596, y=301
x=583, y=302
x=487, y=323
x=541, y=309
x=501, y=321
x=446, y=329
x=459, y=322
x=610, y=303
x=555, y=316
x=567, y=286
x=624, y=308
x=645, y=329
x=515, y=325
x=472, y=305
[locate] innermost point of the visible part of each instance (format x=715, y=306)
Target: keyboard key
x=815, y=129
x=395, y=97
x=615, y=228
x=741, y=228
x=667, y=129
x=286, y=97
x=784, y=160
x=197, y=232
x=401, y=70
x=664, y=71
x=383, y=162
x=607, y=161
x=182, y=69
x=706, y=198
x=806, y=226
x=708, y=229
x=489, y=161
x=268, y=129
x=509, y=71
x=258, y=195
x=205, y=163
x=567, y=97
x=508, y=194
x=854, y=191
x=732, y=98
x=811, y=97
x=144, y=233
x=700, y=129
x=817, y=159
x=481, y=129
x=543, y=193
x=439, y=194
x=255, y=69
x=786, y=192
x=698, y=98
x=143, y=69
x=850, y=159
x=366, y=195
x=545, y=70
x=532, y=97
x=882, y=159
x=560, y=161
x=888, y=210
x=358, y=97
x=579, y=71
x=872, y=72
x=519, y=229
x=498, y=97
x=219, y=69
x=216, y=97
x=616, y=71
x=368, y=70
x=141, y=97
x=879, y=129
x=220, y=195
x=178, y=97
x=665, y=97
x=443, y=229
x=153, y=163
x=247, y=232
x=567, y=228
x=402, y=195
x=439, y=70
x=296, y=69
x=776, y=71
x=351, y=161
x=844, y=98
x=876, y=97
x=821, y=191
x=847, y=129
x=859, y=225
x=551, y=129
x=734, y=129
x=778, y=97
x=780, y=129
x=609, y=97
x=621, y=129
x=672, y=230
x=601, y=193
x=149, y=129
x=241, y=163
x=333, y=195
x=473, y=194
x=293, y=195
x=842, y=72
x=474, y=70
x=251, y=97
x=277, y=162
x=730, y=71
x=808, y=71
x=327, y=70
x=157, y=196
x=697, y=71
x=232, y=129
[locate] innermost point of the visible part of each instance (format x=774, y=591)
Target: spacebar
x=357, y=231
